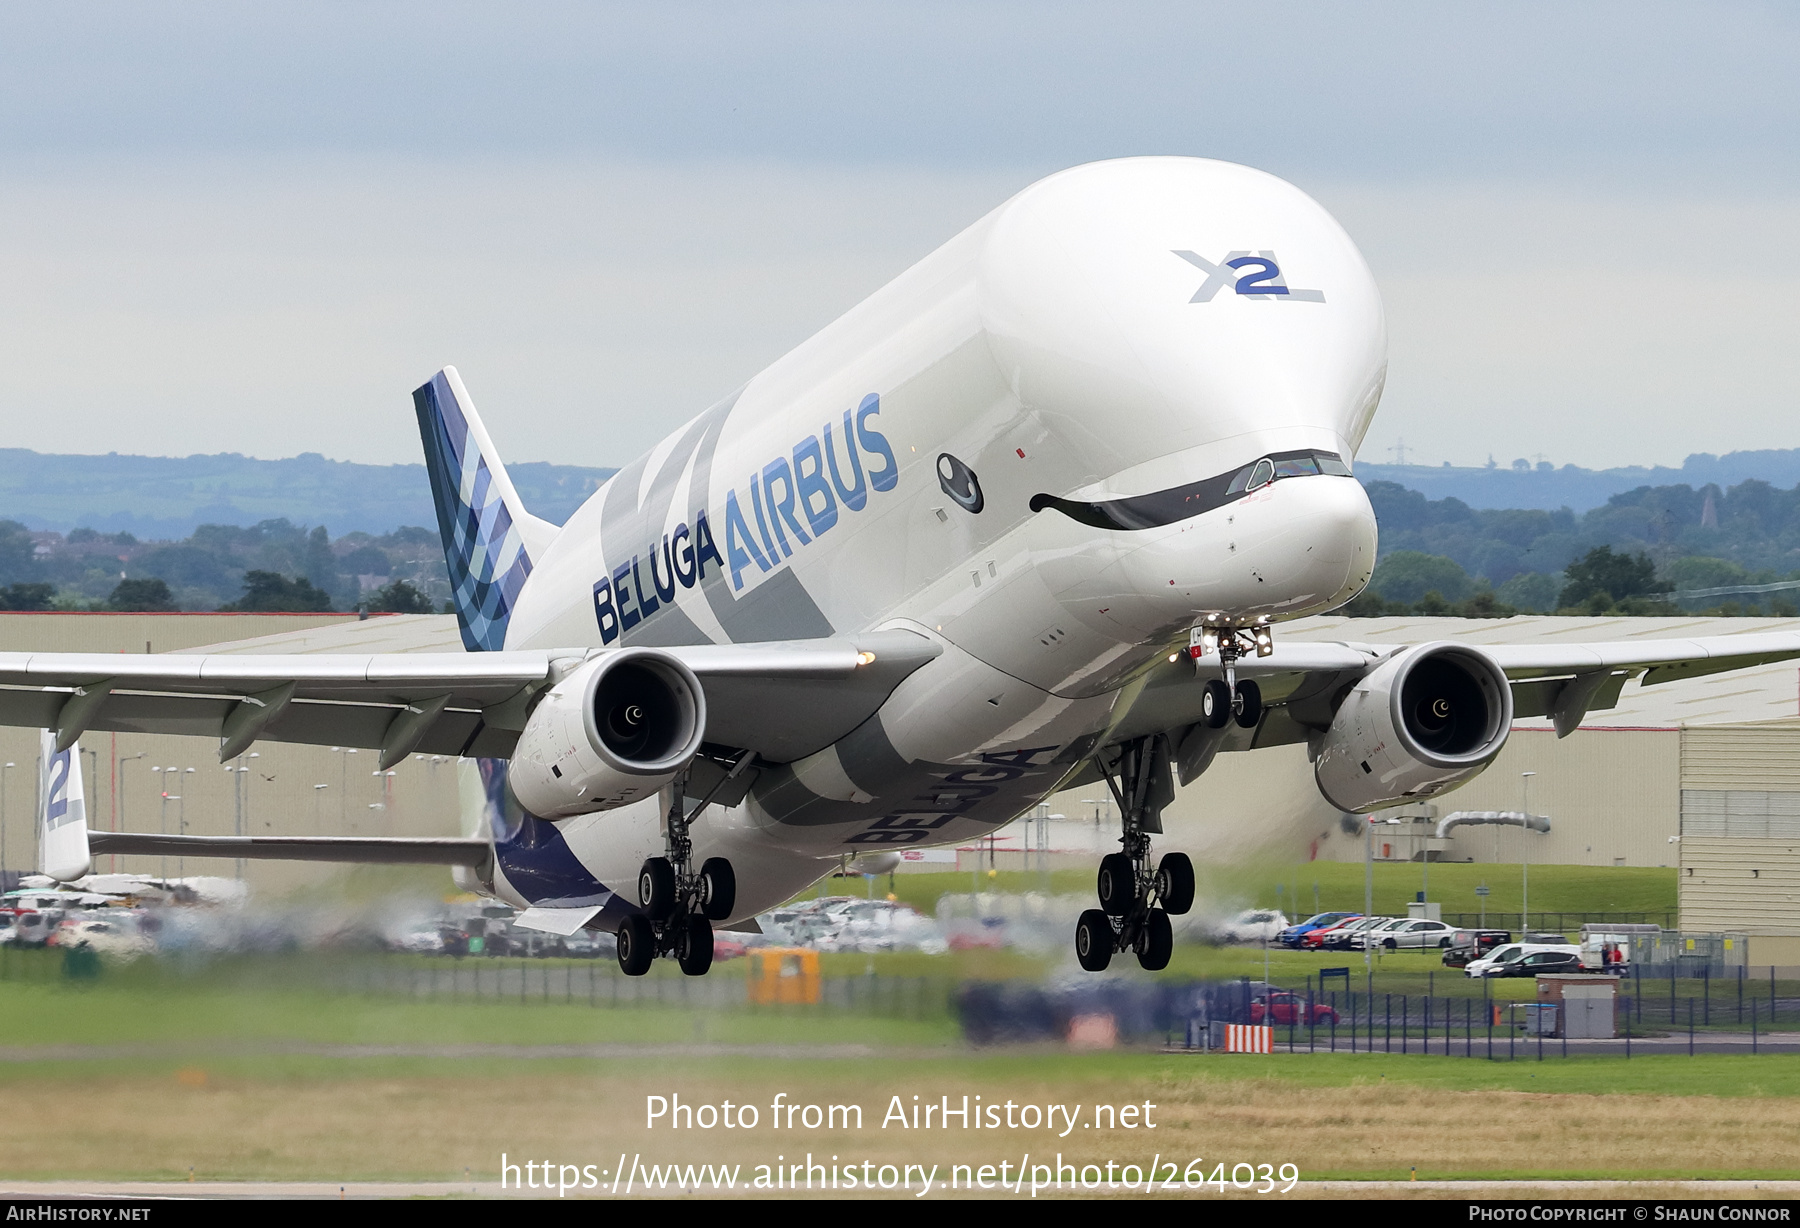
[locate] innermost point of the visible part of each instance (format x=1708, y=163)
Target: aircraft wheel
x=656, y=888
x=1175, y=883
x=1249, y=705
x=637, y=945
x=694, y=946
x=1094, y=940
x=1215, y=704
x=1157, y=943
x=718, y=888
x=1117, y=885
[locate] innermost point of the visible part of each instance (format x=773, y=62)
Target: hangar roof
x=1767, y=693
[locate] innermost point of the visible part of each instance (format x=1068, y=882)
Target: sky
x=249, y=228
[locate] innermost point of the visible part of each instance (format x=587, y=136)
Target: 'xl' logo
x=1253, y=276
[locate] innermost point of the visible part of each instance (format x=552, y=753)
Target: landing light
x=865, y=658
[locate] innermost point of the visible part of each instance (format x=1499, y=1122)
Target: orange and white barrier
x=1249, y=1038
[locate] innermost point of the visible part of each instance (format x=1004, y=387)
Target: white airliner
x=1031, y=515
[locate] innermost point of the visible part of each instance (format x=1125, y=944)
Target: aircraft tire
x=1249, y=706
x=637, y=945
x=1093, y=940
x=656, y=888
x=1116, y=885
x=718, y=888
x=1157, y=943
x=1215, y=704
x=694, y=945
x=1175, y=883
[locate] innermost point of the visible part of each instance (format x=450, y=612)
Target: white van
x=1511, y=952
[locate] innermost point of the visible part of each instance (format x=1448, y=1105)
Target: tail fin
x=62, y=813
x=490, y=540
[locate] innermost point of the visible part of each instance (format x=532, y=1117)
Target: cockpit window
x=1182, y=502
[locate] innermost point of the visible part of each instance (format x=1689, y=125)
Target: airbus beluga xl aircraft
x=1029, y=516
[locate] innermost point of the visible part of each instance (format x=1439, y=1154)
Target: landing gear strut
x=1230, y=699
x=1136, y=901
x=679, y=905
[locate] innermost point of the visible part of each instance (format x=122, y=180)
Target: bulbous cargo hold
x=1424, y=721
x=613, y=732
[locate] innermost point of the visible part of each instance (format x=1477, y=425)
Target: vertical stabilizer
x=62, y=812
x=490, y=540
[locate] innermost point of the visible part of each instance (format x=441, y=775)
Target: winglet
x=490, y=540
x=62, y=813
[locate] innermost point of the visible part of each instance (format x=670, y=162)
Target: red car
x=1282, y=1006
x=1316, y=940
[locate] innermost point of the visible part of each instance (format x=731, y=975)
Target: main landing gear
x=1137, y=901
x=679, y=905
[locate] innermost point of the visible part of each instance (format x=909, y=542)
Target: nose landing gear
x=1135, y=900
x=679, y=905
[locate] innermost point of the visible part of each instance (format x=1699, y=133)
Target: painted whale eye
x=960, y=483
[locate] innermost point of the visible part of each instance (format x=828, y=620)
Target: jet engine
x=1426, y=720
x=612, y=732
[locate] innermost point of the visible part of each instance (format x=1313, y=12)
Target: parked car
x=114, y=932
x=1467, y=945
x=1416, y=934
x=1538, y=963
x=1284, y=1006
x=1372, y=937
x=1292, y=935
x=1491, y=964
x=33, y=928
x=1253, y=925
x=1338, y=937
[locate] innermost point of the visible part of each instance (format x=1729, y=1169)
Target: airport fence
x=596, y=984
x=1561, y=922
x=599, y=984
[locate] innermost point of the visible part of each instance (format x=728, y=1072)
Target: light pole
x=1368, y=893
x=3, y=771
x=1525, y=856
x=344, y=753
x=317, y=790
x=162, y=815
x=119, y=797
x=181, y=820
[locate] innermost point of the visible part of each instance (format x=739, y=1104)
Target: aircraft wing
x=1301, y=681
x=372, y=850
x=446, y=703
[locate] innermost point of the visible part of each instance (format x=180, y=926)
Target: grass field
x=256, y=1070
x=239, y=1081
x=242, y=1118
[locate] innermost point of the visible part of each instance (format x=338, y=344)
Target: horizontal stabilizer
x=370, y=850
x=563, y=921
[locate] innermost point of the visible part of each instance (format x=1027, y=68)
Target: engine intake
x=1422, y=722
x=614, y=731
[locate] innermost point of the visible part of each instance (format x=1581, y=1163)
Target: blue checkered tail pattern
x=489, y=538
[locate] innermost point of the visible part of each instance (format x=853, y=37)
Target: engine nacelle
x=1425, y=720
x=613, y=732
